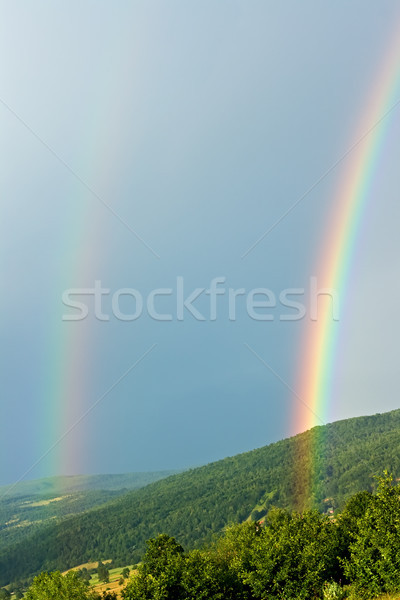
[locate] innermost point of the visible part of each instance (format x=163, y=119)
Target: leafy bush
x=374, y=562
x=294, y=555
x=55, y=585
x=169, y=574
x=333, y=591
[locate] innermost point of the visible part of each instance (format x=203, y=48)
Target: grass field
x=88, y=566
x=43, y=502
x=113, y=585
x=115, y=575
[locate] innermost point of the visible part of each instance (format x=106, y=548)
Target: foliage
x=294, y=555
x=353, y=513
x=103, y=573
x=208, y=575
x=29, y=506
x=55, y=585
x=374, y=563
x=195, y=506
x=333, y=591
x=290, y=557
x=142, y=587
x=236, y=546
x=84, y=575
x=169, y=574
x=160, y=572
x=161, y=552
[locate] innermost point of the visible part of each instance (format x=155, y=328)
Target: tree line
x=293, y=555
x=196, y=505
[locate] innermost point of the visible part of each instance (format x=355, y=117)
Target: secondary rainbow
x=315, y=380
x=68, y=388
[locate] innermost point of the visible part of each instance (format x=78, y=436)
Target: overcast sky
x=144, y=142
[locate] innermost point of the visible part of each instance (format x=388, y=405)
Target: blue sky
x=194, y=127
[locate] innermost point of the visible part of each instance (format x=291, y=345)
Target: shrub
x=333, y=591
x=374, y=563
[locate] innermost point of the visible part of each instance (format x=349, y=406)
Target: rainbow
x=69, y=368
x=320, y=341
x=65, y=382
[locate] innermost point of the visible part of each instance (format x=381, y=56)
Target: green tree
x=160, y=574
x=169, y=574
x=353, y=511
x=57, y=586
x=84, y=575
x=236, y=549
x=374, y=563
x=104, y=596
x=207, y=575
x=349, y=521
x=141, y=587
x=294, y=556
x=159, y=552
x=103, y=573
x=125, y=572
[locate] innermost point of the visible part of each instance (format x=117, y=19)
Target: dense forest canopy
x=195, y=506
x=296, y=556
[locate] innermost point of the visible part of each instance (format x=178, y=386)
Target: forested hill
x=28, y=506
x=57, y=486
x=196, y=504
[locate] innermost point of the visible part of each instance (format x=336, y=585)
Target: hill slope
x=29, y=505
x=195, y=505
x=58, y=486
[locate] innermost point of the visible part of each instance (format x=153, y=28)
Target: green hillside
x=30, y=505
x=58, y=486
x=197, y=504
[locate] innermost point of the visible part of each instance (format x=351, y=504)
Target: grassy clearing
x=88, y=566
x=43, y=502
x=113, y=585
x=99, y=586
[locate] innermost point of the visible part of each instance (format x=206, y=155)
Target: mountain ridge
x=64, y=484
x=196, y=505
